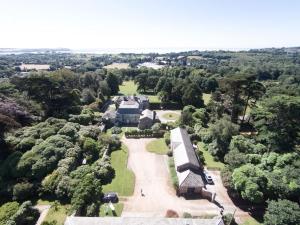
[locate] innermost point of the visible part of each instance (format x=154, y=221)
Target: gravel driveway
x=152, y=176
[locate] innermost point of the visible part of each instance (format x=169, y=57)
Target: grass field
x=58, y=214
x=173, y=174
x=106, y=211
x=123, y=183
x=128, y=88
x=251, y=221
x=117, y=66
x=158, y=146
x=171, y=116
x=154, y=99
x=209, y=160
x=206, y=98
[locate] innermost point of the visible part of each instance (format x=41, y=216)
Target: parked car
x=110, y=197
x=208, y=178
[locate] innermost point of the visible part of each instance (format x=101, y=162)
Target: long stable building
x=140, y=221
x=188, y=168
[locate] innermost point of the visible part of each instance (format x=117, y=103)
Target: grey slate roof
x=192, y=180
x=140, y=221
x=147, y=114
x=128, y=107
x=185, y=159
x=185, y=147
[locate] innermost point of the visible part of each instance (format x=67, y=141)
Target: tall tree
x=282, y=212
x=113, y=83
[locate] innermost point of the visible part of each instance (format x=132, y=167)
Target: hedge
x=144, y=134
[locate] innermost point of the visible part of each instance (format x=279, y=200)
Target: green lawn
x=106, y=211
x=171, y=116
x=173, y=174
x=58, y=214
x=251, y=221
x=158, y=146
x=206, y=98
x=209, y=160
x=154, y=99
x=123, y=183
x=128, y=88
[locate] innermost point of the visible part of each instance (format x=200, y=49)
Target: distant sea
x=149, y=50
x=17, y=51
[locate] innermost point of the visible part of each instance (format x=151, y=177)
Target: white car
x=208, y=178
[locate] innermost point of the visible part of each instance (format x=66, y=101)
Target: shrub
x=171, y=214
x=70, y=130
x=187, y=215
x=23, y=191
x=167, y=138
x=26, y=214
x=25, y=144
x=116, y=130
x=90, y=131
x=228, y=219
x=47, y=132
x=96, y=105
x=200, y=156
x=7, y=211
x=156, y=127
x=91, y=149
x=83, y=119
x=226, y=177
x=173, y=173
x=170, y=153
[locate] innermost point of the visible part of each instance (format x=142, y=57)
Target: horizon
x=162, y=50
x=149, y=24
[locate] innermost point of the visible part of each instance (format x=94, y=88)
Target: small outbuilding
x=147, y=119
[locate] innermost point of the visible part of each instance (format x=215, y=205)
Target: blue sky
x=149, y=23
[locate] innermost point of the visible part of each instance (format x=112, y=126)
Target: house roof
x=129, y=107
x=188, y=178
x=147, y=114
x=140, y=221
x=183, y=149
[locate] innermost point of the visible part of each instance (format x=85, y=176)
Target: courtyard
x=152, y=178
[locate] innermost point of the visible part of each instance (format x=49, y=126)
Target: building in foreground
x=188, y=169
x=140, y=221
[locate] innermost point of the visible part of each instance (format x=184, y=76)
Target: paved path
x=43, y=209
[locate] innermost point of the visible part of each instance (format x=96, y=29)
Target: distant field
x=117, y=66
x=195, y=57
x=35, y=67
x=128, y=88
